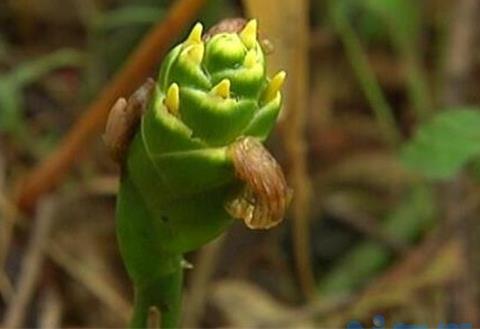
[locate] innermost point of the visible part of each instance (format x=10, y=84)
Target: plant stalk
x=164, y=293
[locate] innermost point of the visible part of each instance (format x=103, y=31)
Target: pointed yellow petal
x=172, y=101
x=249, y=34
x=195, y=36
x=250, y=58
x=195, y=53
x=274, y=86
x=222, y=89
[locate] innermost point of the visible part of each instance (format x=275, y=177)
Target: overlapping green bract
x=178, y=171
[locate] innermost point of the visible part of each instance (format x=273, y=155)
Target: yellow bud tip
x=249, y=34
x=172, y=100
x=274, y=86
x=250, y=58
x=195, y=53
x=195, y=36
x=222, y=89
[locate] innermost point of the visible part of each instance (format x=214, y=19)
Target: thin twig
x=51, y=309
x=87, y=276
x=140, y=64
x=460, y=54
x=90, y=279
x=6, y=288
x=204, y=268
x=9, y=215
x=31, y=265
x=294, y=138
x=7, y=219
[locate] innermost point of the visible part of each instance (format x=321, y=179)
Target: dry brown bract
x=263, y=202
x=124, y=118
x=228, y=25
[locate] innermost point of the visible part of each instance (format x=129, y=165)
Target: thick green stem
x=164, y=293
x=156, y=273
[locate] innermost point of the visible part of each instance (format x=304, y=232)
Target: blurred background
x=379, y=137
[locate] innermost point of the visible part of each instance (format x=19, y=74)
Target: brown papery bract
x=263, y=201
x=124, y=118
x=228, y=25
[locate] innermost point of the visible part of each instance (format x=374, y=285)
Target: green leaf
x=444, y=145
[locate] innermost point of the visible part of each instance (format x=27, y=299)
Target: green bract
x=178, y=173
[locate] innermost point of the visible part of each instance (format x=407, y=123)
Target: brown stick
x=460, y=57
x=90, y=278
x=51, y=309
x=140, y=64
x=293, y=133
x=285, y=23
x=31, y=267
x=8, y=215
x=86, y=275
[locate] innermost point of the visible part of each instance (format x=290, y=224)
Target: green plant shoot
x=192, y=159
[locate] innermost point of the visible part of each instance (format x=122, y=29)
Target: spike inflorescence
x=227, y=65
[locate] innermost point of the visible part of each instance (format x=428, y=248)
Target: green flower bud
x=196, y=160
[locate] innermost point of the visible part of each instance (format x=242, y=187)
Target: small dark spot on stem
x=164, y=219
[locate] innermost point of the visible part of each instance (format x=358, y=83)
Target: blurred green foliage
x=398, y=22
x=442, y=147
x=12, y=83
x=406, y=222
x=382, y=20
